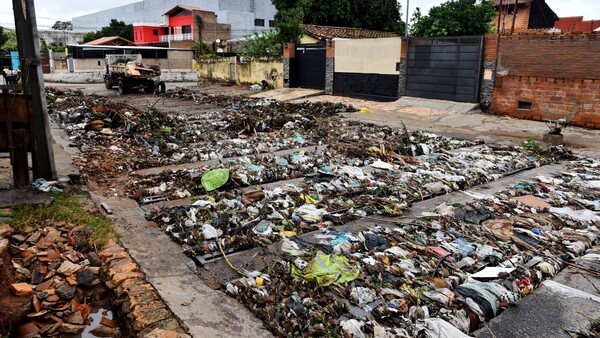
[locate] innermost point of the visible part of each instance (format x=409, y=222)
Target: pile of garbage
x=60, y=284
x=118, y=138
x=231, y=208
x=313, y=190
x=441, y=275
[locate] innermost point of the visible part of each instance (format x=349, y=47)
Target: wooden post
x=499, y=17
x=19, y=158
x=33, y=84
x=512, y=29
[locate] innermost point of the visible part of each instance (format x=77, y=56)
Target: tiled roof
x=111, y=40
x=576, y=24
x=189, y=8
x=330, y=32
x=510, y=2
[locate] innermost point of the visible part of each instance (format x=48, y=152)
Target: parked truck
x=128, y=73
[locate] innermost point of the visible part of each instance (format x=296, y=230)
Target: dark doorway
x=308, y=68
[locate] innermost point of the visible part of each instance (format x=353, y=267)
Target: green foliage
x=454, y=18
x=55, y=47
x=63, y=26
x=3, y=36
x=289, y=26
x=115, y=28
x=531, y=145
x=203, y=50
x=382, y=15
x=10, y=42
x=67, y=208
x=89, y=36
x=264, y=44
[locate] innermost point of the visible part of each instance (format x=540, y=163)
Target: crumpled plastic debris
x=215, y=179
x=329, y=180
x=585, y=215
x=327, y=269
x=443, y=276
x=47, y=186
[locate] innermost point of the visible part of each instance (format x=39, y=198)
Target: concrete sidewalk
x=441, y=105
x=487, y=127
x=286, y=94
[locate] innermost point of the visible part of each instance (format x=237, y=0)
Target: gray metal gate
x=445, y=68
x=308, y=68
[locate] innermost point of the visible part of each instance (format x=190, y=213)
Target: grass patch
x=70, y=210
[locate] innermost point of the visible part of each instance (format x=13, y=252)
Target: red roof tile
x=576, y=24
x=189, y=8
x=330, y=32
x=511, y=2
x=111, y=40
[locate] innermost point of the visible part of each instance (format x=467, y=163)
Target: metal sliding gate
x=308, y=68
x=445, y=68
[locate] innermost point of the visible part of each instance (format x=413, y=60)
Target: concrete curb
x=144, y=309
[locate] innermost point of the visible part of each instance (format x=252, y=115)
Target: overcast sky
x=49, y=11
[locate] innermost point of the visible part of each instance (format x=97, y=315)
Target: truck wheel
x=123, y=87
x=162, y=87
x=149, y=88
x=108, y=82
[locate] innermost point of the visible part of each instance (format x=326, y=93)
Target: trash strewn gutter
x=450, y=271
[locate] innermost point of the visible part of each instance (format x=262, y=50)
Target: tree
x=10, y=42
x=115, y=28
x=3, y=36
x=382, y=15
x=288, y=19
x=454, y=18
x=289, y=28
x=264, y=44
x=63, y=26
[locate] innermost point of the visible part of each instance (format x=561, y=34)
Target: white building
x=244, y=16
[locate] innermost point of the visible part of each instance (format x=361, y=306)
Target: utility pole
x=33, y=83
x=406, y=24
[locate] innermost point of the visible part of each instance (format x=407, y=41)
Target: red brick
x=21, y=289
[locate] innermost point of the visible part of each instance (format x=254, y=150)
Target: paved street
x=193, y=279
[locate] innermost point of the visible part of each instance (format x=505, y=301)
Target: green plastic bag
x=215, y=179
x=326, y=270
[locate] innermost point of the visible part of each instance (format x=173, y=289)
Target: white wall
x=367, y=56
x=240, y=14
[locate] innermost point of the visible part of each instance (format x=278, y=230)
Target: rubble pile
x=63, y=285
x=438, y=276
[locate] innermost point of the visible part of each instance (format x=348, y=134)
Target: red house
x=572, y=24
x=182, y=26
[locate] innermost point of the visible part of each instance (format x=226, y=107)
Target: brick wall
x=561, y=72
x=568, y=56
x=560, y=95
x=506, y=21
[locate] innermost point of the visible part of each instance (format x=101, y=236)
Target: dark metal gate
x=308, y=67
x=445, y=68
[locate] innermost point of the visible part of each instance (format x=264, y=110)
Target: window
x=271, y=23
x=511, y=9
x=524, y=105
x=186, y=29
x=155, y=31
x=259, y=22
x=166, y=31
